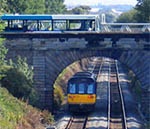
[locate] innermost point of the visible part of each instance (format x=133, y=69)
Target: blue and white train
x=28, y=22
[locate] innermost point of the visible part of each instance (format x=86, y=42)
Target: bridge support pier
x=45, y=92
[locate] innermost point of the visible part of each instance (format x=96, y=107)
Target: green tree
x=35, y=7
x=81, y=10
x=143, y=11
x=3, y=6
x=23, y=6
x=55, y=7
x=19, y=81
x=15, y=6
x=3, y=52
x=127, y=17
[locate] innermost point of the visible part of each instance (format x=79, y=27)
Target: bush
x=18, y=80
x=3, y=70
x=15, y=114
x=16, y=83
x=3, y=49
x=47, y=117
x=58, y=97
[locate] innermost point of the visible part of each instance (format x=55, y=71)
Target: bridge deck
x=76, y=34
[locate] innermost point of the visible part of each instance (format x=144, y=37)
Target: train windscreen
x=81, y=86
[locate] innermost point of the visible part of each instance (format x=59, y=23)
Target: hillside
x=103, y=8
x=15, y=114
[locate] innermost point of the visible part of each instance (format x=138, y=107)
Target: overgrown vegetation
x=67, y=73
x=141, y=13
x=32, y=6
x=80, y=10
x=58, y=91
x=128, y=17
x=40, y=7
x=3, y=49
x=58, y=97
x=135, y=86
x=18, y=80
x=15, y=114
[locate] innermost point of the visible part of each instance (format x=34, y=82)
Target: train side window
x=90, y=89
x=72, y=88
x=81, y=88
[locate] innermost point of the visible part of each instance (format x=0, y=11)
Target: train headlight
x=91, y=96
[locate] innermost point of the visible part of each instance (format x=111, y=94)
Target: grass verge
x=16, y=114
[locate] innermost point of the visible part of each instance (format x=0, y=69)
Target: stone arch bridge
x=49, y=54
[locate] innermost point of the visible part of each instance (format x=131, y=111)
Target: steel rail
x=69, y=123
x=73, y=122
x=109, y=72
x=121, y=96
x=100, y=69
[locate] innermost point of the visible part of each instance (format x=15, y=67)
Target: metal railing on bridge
x=125, y=27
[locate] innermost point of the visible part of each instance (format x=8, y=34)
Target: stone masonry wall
x=50, y=56
x=139, y=62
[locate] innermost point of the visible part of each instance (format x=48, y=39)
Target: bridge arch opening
x=82, y=65
x=60, y=84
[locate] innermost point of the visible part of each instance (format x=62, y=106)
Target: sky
x=103, y=2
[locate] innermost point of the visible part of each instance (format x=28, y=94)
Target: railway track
x=77, y=122
x=109, y=109
x=116, y=110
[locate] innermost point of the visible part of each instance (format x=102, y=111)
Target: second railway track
x=117, y=116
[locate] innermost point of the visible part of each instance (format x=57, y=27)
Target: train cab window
x=72, y=88
x=90, y=88
x=81, y=88
x=88, y=25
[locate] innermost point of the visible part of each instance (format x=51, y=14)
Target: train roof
x=45, y=17
x=84, y=75
x=25, y=17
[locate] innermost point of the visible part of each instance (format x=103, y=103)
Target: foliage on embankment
x=16, y=114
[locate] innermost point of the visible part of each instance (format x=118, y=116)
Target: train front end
x=81, y=93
